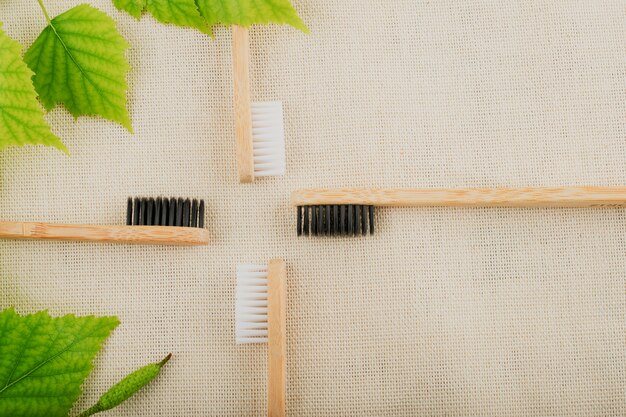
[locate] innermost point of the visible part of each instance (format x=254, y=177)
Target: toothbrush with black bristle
x=149, y=221
x=350, y=211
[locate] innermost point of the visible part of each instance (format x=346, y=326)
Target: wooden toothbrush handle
x=277, y=337
x=242, y=103
x=468, y=197
x=146, y=235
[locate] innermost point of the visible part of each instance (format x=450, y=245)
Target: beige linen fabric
x=456, y=312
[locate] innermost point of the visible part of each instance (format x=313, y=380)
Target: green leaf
x=79, y=61
x=250, y=12
x=134, y=7
x=126, y=388
x=204, y=14
x=21, y=116
x=178, y=12
x=44, y=361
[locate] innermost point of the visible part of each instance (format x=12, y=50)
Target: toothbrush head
x=268, y=139
x=251, y=304
x=335, y=220
x=165, y=212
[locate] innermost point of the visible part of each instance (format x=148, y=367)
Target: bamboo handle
x=243, y=113
x=277, y=332
x=146, y=235
x=470, y=197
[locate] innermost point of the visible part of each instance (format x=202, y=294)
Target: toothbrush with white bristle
x=259, y=129
x=260, y=317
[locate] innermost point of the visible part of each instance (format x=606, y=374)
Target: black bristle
x=179, y=212
x=171, y=212
x=320, y=220
x=194, y=213
x=314, y=220
x=186, y=213
x=328, y=222
x=350, y=219
x=136, y=212
x=157, y=212
x=305, y=228
x=201, y=215
x=144, y=209
x=150, y=213
x=313, y=226
x=129, y=212
x=334, y=220
x=364, y=220
x=164, y=205
x=299, y=222
x=165, y=212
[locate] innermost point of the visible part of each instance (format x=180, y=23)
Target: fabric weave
x=456, y=312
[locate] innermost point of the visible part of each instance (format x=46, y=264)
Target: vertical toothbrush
x=260, y=317
x=259, y=129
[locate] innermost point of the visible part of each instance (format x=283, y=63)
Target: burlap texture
x=456, y=312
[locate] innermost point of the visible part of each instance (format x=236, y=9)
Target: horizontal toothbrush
x=348, y=211
x=260, y=317
x=149, y=222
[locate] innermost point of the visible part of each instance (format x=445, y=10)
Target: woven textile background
x=457, y=312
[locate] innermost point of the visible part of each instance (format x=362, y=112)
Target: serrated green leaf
x=134, y=7
x=79, y=61
x=179, y=12
x=204, y=14
x=44, y=361
x=250, y=12
x=21, y=116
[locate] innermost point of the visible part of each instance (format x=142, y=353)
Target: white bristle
x=251, y=304
x=268, y=139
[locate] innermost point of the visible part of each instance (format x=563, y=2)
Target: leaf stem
x=166, y=360
x=45, y=12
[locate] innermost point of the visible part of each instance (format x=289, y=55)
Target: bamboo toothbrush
x=152, y=222
x=350, y=211
x=260, y=317
x=259, y=130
